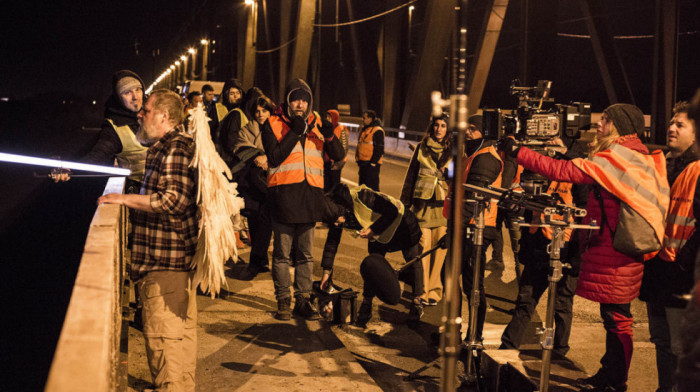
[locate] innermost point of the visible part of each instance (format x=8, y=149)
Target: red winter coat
x=607, y=276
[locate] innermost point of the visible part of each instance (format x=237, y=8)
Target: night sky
x=75, y=46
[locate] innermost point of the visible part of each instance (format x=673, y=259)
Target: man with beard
x=165, y=240
x=295, y=140
x=117, y=139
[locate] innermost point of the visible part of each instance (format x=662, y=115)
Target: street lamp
x=205, y=58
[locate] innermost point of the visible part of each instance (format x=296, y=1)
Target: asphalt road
x=389, y=348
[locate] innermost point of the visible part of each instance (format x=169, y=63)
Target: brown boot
x=284, y=309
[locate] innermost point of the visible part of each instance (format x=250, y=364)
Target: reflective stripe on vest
x=304, y=162
x=430, y=180
x=680, y=222
x=635, y=178
x=366, y=217
x=365, y=144
x=222, y=111
x=492, y=211
x=564, y=190
x=133, y=154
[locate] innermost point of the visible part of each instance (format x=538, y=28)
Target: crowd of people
x=287, y=160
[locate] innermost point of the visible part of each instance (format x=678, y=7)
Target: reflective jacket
x=366, y=216
x=680, y=221
x=133, y=154
x=365, y=144
x=637, y=179
x=342, y=134
x=490, y=213
x=305, y=163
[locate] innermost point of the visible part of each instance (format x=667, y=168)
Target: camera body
x=535, y=123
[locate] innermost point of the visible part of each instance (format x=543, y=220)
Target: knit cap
x=127, y=83
x=477, y=121
x=628, y=119
x=300, y=94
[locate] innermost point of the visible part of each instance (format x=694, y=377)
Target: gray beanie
x=628, y=119
x=477, y=121
x=127, y=83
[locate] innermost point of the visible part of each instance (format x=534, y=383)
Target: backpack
x=633, y=236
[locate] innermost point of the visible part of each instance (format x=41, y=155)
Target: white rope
x=352, y=22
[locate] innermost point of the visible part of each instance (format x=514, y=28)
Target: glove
x=326, y=129
x=509, y=147
x=299, y=125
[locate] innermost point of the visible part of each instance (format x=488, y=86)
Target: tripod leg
x=416, y=374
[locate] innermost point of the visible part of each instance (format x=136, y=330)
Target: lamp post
x=410, y=28
x=205, y=58
x=183, y=58
x=193, y=53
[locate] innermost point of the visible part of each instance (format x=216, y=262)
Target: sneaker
x=284, y=306
x=432, y=302
x=364, y=314
x=494, y=265
x=304, y=308
x=416, y=310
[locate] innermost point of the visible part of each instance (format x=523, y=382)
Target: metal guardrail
x=87, y=356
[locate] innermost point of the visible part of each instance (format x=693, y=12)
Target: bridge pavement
x=242, y=347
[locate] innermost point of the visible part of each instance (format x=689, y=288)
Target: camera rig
x=537, y=119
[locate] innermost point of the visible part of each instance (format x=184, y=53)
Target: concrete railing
x=88, y=350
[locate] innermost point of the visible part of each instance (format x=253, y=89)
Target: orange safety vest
x=635, y=178
x=492, y=211
x=564, y=190
x=338, y=132
x=365, y=144
x=304, y=162
x=680, y=222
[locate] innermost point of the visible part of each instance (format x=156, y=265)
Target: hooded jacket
x=108, y=143
x=607, y=276
x=298, y=202
x=232, y=123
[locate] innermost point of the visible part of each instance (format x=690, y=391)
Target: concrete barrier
x=87, y=354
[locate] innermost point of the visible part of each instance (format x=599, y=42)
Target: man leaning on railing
x=165, y=238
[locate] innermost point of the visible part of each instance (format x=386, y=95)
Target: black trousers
x=533, y=283
x=468, y=258
x=369, y=175
x=408, y=254
x=331, y=178
x=260, y=227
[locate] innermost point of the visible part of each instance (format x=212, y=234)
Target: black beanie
x=628, y=119
x=476, y=120
x=300, y=94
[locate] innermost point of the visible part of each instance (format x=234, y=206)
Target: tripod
x=559, y=217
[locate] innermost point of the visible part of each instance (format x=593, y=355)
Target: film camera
x=536, y=122
x=537, y=119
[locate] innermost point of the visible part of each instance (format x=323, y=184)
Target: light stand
x=559, y=217
x=473, y=345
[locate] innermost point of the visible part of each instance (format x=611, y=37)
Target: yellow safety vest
x=133, y=154
x=221, y=111
x=366, y=217
x=430, y=179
